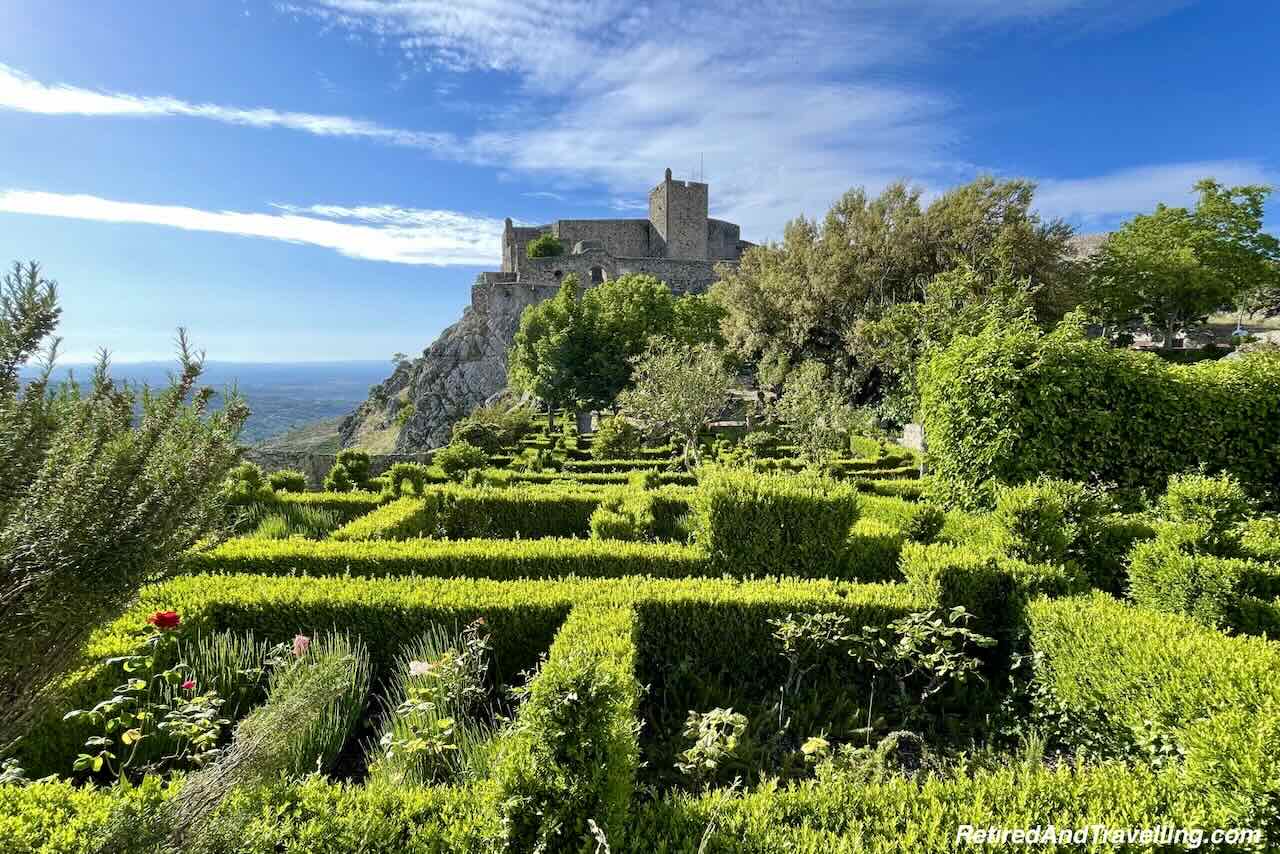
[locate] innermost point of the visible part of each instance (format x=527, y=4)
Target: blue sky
x=322, y=179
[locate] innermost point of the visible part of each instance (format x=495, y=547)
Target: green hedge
x=348, y=505
x=774, y=524
x=1221, y=592
x=1151, y=678
x=386, y=613
x=874, y=550
x=573, y=755
x=1013, y=403
x=401, y=519
x=667, y=478
x=614, y=466
x=855, y=816
x=694, y=638
x=500, y=559
x=992, y=587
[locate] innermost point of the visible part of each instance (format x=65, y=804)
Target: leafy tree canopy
x=1168, y=270
x=802, y=299
x=579, y=352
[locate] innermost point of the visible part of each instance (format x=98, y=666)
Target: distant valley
x=283, y=397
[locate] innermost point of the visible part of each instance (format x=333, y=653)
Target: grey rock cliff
x=461, y=369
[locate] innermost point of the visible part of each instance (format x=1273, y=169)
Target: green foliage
x=1221, y=592
x=1217, y=506
x=1011, y=404
x=244, y=485
x=677, y=389
x=874, y=550
x=458, y=459
x=339, y=479
x=625, y=516
x=287, y=480
x=774, y=524
x=432, y=730
x=810, y=296
x=102, y=488
x=486, y=437
x=581, y=352
x=616, y=438
x=571, y=760
x=1156, y=683
x=416, y=475
x=715, y=736
x=818, y=417
x=503, y=559
x=313, y=703
x=988, y=585
x=545, y=245
x=357, y=464
x=1170, y=269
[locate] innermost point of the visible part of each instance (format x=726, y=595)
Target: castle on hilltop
x=678, y=244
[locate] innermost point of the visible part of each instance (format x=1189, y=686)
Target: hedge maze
x=615, y=656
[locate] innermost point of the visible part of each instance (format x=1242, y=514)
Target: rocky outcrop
x=461, y=369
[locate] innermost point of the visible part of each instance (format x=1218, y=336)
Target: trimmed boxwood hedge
x=524, y=512
x=573, y=755
x=500, y=559
x=1152, y=678
x=774, y=524
x=1221, y=592
x=1013, y=403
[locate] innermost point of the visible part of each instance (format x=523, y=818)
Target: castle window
x=558, y=274
x=597, y=275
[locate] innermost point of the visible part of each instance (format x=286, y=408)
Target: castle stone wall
x=621, y=237
x=722, y=240
x=683, y=276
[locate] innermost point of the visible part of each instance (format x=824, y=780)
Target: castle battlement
x=678, y=243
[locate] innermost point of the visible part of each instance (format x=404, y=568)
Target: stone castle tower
x=678, y=213
x=678, y=243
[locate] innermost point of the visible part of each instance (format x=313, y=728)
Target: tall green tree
x=1167, y=271
x=802, y=299
x=102, y=488
x=677, y=389
x=578, y=351
x=544, y=350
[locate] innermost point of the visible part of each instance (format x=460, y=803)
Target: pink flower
x=301, y=643
x=189, y=685
x=419, y=668
x=165, y=620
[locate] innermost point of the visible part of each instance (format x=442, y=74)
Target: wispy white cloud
x=378, y=233
x=612, y=92
x=20, y=92
x=1119, y=194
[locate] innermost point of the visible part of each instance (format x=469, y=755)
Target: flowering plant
x=155, y=718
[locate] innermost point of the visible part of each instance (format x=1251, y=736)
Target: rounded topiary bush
x=616, y=439
x=287, y=480
x=357, y=464
x=338, y=479
x=486, y=437
x=458, y=458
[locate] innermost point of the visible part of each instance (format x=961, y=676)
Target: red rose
x=165, y=620
x=189, y=685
